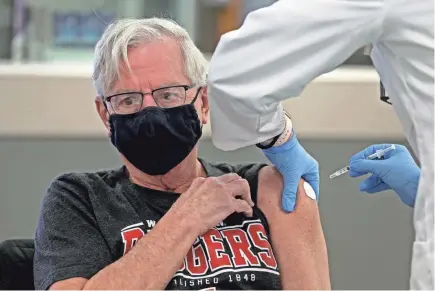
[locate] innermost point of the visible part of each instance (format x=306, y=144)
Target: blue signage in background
x=66, y=28
x=93, y=24
x=75, y=29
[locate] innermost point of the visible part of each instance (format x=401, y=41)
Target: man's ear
x=205, y=106
x=102, y=111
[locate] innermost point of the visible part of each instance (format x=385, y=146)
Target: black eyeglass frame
x=142, y=94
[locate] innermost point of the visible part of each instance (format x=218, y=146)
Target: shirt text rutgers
x=242, y=247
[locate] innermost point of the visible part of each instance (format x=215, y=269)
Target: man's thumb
x=364, y=166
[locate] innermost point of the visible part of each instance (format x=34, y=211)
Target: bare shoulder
x=270, y=186
x=76, y=283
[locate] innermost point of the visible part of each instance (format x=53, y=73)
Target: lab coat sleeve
x=274, y=55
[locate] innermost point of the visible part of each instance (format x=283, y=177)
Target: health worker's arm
x=297, y=238
x=274, y=55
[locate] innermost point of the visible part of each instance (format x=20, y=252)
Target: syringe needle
x=339, y=172
x=377, y=155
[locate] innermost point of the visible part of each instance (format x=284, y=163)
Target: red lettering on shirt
x=240, y=247
x=215, y=248
x=130, y=237
x=196, y=262
x=257, y=233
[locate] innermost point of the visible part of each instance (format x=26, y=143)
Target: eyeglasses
x=165, y=97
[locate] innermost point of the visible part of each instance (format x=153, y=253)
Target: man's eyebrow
x=120, y=91
x=169, y=84
x=163, y=85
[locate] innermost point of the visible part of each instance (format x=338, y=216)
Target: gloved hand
x=397, y=171
x=293, y=162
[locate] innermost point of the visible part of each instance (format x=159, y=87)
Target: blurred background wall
x=48, y=125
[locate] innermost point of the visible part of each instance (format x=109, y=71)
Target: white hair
x=111, y=49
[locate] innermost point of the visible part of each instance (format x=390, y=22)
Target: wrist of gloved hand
x=280, y=139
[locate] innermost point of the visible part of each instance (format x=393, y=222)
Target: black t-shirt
x=90, y=220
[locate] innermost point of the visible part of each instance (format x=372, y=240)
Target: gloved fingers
x=288, y=201
x=354, y=173
x=369, y=183
x=373, y=184
x=291, y=185
x=367, y=152
x=379, y=188
x=358, y=168
x=314, y=180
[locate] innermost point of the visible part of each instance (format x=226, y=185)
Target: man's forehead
x=153, y=65
x=156, y=55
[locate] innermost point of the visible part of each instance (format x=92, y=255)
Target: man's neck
x=177, y=180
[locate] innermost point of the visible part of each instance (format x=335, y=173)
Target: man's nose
x=148, y=100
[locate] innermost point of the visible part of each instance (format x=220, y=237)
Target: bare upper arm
x=299, y=229
x=76, y=283
x=297, y=238
x=270, y=185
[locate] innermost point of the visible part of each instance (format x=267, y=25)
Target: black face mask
x=156, y=139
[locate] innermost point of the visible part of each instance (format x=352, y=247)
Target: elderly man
x=167, y=219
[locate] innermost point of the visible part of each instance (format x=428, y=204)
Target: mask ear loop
x=194, y=100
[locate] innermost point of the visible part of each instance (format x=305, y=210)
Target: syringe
x=377, y=155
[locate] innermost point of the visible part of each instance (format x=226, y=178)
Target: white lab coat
x=281, y=48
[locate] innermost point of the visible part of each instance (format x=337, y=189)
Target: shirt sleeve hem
x=64, y=274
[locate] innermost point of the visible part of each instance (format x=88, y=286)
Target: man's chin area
x=179, y=177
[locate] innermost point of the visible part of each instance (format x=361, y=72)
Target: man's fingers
x=227, y=178
x=240, y=188
x=242, y=206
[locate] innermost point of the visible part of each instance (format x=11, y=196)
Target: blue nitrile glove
x=293, y=162
x=397, y=171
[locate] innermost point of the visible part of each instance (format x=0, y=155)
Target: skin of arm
x=297, y=238
x=142, y=267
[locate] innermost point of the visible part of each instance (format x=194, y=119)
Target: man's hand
x=294, y=163
x=208, y=201
x=397, y=171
